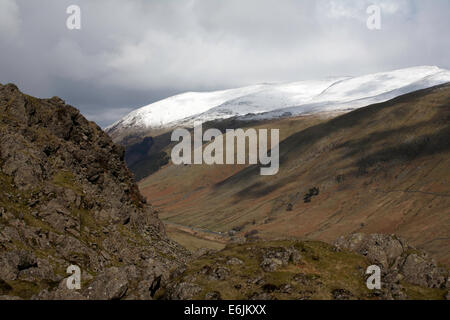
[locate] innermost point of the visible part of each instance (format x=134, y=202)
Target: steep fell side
x=67, y=198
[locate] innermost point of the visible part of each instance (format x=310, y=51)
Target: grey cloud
x=131, y=53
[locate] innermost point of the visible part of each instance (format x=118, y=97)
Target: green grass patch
x=420, y=293
x=66, y=179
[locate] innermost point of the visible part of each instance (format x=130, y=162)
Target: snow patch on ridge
x=267, y=101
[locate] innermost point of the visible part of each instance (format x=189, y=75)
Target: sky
x=128, y=54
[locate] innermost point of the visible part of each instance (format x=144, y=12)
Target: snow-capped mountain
x=267, y=101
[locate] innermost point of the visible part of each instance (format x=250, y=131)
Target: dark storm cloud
x=131, y=53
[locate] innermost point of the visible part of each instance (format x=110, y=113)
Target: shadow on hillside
x=424, y=145
x=148, y=155
x=300, y=142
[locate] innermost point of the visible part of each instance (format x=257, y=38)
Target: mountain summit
x=268, y=101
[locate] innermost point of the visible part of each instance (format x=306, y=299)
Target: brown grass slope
x=380, y=169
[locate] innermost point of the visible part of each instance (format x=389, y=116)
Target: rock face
x=67, y=198
x=398, y=262
x=275, y=258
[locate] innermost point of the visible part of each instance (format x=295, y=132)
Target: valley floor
x=194, y=239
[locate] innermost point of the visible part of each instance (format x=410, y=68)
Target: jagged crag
x=67, y=198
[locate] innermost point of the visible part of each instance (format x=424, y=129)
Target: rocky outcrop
x=399, y=262
x=182, y=291
x=288, y=269
x=274, y=258
x=67, y=198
